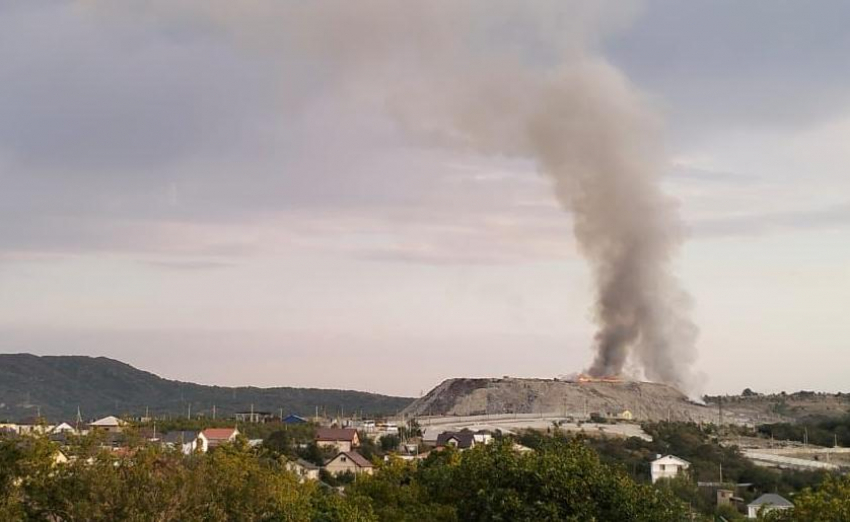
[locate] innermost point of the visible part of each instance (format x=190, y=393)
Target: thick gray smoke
x=513, y=78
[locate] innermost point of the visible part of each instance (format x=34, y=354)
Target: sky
x=211, y=192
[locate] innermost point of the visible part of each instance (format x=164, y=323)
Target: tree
x=389, y=443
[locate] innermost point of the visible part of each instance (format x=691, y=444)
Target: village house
x=767, y=503
x=343, y=439
x=461, y=440
x=63, y=427
x=213, y=437
x=303, y=469
x=349, y=461
x=110, y=424
x=254, y=417
x=667, y=466
x=33, y=425
x=186, y=441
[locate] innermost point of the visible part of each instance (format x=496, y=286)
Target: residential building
x=294, y=419
x=109, y=424
x=213, y=437
x=186, y=441
x=767, y=503
x=667, y=466
x=63, y=427
x=349, y=461
x=459, y=439
x=304, y=469
x=343, y=439
x=253, y=416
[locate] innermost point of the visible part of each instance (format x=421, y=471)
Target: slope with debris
x=641, y=401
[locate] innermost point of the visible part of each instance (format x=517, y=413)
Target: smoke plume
x=507, y=78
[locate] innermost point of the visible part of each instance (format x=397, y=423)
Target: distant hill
x=57, y=385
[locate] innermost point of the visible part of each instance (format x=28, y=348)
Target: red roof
x=335, y=434
x=218, y=433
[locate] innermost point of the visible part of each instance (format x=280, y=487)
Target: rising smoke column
x=516, y=78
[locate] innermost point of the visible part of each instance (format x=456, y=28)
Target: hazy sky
x=202, y=190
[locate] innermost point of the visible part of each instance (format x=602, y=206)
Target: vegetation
x=822, y=432
x=564, y=480
x=700, y=447
x=101, y=386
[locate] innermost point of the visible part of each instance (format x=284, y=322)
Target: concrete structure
x=212, y=437
x=343, y=439
x=346, y=461
x=767, y=503
x=667, y=466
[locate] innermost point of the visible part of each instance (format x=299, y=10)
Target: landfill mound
x=628, y=400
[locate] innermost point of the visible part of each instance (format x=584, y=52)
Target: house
x=33, y=425
x=303, y=469
x=482, y=437
x=343, y=439
x=459, y=439
x=63, y=427
x=254, y=416
x=667, y=466
x=626, y=415
x=346, y=461
x=186, y=441
x=767, y=503
x=109, y=424
x=294, y=419
x=212, y=437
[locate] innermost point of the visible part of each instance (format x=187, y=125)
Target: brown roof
x=356, y=458
x=218, y=433
x=334, y=434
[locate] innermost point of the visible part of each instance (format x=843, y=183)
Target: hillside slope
x=57, y=385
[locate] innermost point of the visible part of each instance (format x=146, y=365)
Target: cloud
x=835, y=217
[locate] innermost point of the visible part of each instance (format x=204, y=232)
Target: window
x=342, y=459
x=662, y=466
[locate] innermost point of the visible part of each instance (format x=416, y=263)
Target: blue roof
x=294, y=419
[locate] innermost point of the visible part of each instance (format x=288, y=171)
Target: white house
x=305, y=470
x=667, y=466
x=767, y=503
x=212, y=437
x=63, y=427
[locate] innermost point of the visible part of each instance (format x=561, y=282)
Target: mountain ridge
x=55, y=385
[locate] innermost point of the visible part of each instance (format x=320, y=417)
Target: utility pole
x=213, y=411
x=189, y=412
x=720, y=411
x=805, y=436
x=721, y=474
